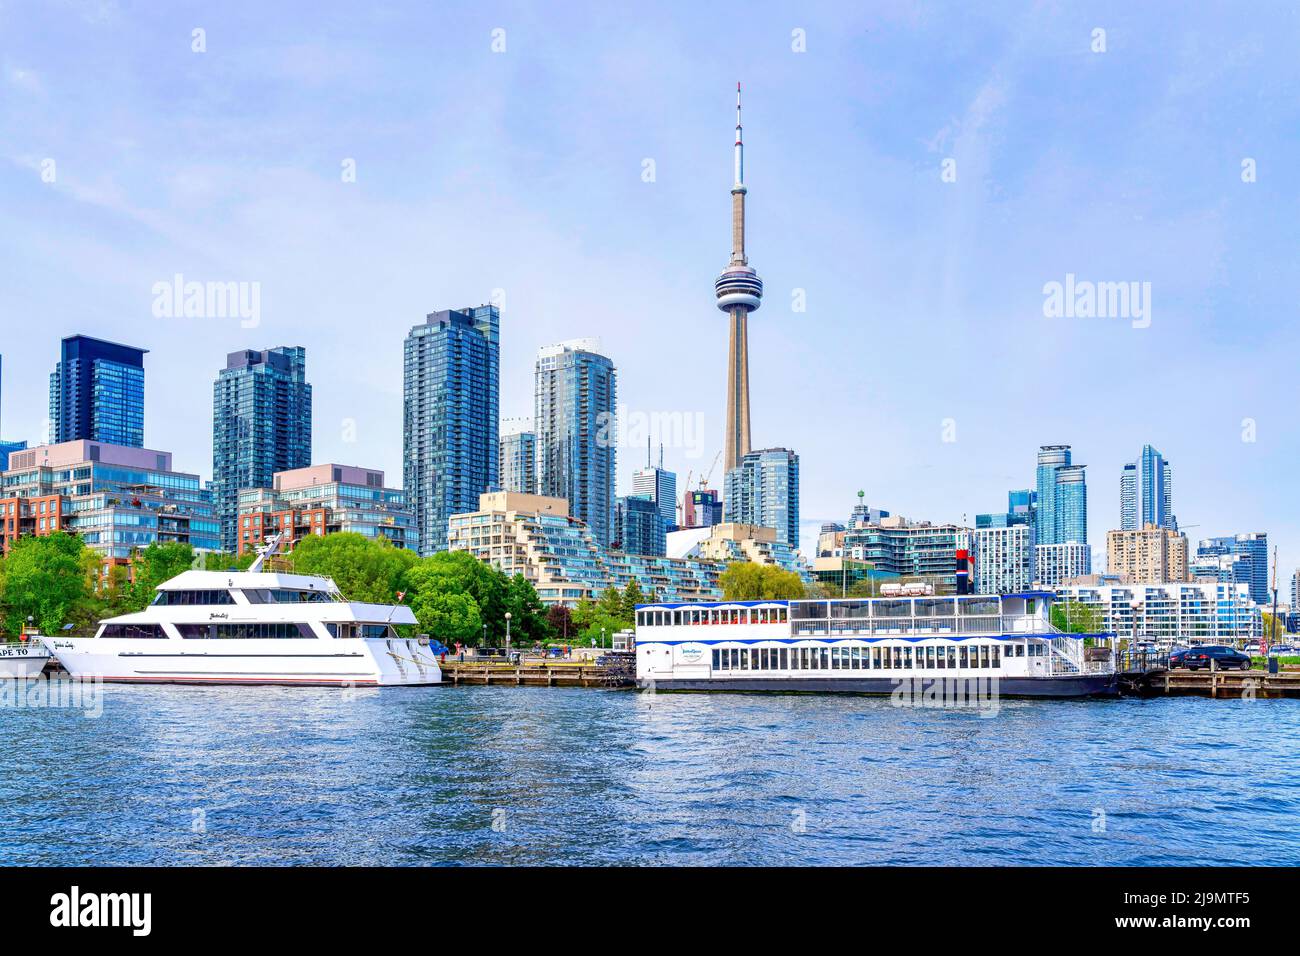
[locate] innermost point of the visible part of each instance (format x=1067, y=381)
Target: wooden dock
x=536, y=675
x=1221, y=685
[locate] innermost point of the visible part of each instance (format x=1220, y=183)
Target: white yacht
x=252, y=627
x=870, y=646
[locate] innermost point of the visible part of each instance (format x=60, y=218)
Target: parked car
x=1283, y=650
x=1224, y=658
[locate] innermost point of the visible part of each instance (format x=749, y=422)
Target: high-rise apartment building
x=763, y=490
x=1061, y=497
x=1003, y=558
x=639, y=527
x=1151, y=555
x=660, y=486
x=261, y=424
x=451, y=391
x=577, y=434
x=517, y=464
x=1146, y=492
x=1249, y=560
x=97, y=393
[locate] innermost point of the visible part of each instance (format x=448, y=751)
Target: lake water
x=201, y=776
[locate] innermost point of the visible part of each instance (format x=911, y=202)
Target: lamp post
x=508, y=616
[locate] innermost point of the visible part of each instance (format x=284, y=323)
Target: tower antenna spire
x=740, y=143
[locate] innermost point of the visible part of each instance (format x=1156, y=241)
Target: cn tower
x=739, y=291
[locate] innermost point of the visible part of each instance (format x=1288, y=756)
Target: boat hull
x=335, y=663
x=22, y=661
x=1083, y=685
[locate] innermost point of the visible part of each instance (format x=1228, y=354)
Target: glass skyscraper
x=97, y=393
x=451, y=402
x=517, y=464
x=1146, y=492
x=639, y=527
x=261, y=424
x=576, y=388
x=763, y=490
x=660, y=486
x=1250, y=560
x=1061, y=514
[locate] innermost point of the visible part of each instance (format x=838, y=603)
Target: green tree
x=632, y=596
x=443, y=611
x=460, y=571
x=151, y=567
x=529, y=623
x=363, y=568
x=747, y=581
x=46, y=579
x=1075, y=618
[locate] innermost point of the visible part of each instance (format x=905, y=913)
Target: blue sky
x=522, y=171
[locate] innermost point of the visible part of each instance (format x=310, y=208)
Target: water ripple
x=524, y=776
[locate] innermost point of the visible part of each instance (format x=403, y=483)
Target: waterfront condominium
x=1061, y=497
x=97, y=393
x=261, y=424
x=576, y=388
x=116, y=498
x=639, y=528
x=517, y=462
x=1003, y=557
x=1247, y=556
x=450, y=424
x=763, y=490
x=1057, y=564
x=1151, y=554
x=1146, y=492
x=324, y=499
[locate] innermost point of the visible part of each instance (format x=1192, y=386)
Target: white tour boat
x=23, y=661
x=252, y=627
x=870, y=646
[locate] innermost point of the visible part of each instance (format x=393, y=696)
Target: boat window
x=963, y=657
x=984, y=655
x=997, y=651
x=980, y=606
x=134, y=631
x=897, y=608
x=256, y=632
x=191, y=598
x=808, y=610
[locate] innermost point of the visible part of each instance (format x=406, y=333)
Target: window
x=785, y=659
x=717, y=659
x=136, y=631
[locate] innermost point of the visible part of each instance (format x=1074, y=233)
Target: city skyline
x=861, y=159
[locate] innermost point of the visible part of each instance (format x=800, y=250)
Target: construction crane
x=704, y=481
